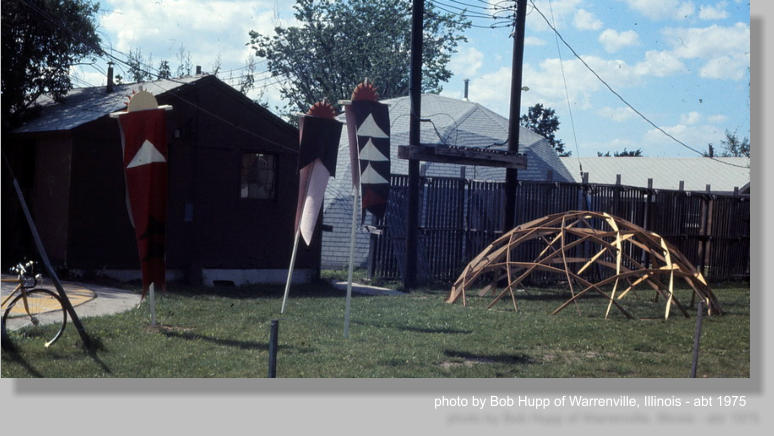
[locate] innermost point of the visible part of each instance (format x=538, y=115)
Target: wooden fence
x=458, y=218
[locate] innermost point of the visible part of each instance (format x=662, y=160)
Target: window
x=258, y=176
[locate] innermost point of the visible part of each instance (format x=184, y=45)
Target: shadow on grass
x=11, y=353
x=519, y=359
x=244, y=345
x=92, y=346
x=415, y=329
x=311, y=290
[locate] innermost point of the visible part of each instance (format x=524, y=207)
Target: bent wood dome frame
x=636, y=256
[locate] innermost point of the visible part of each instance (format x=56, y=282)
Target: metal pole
x=696, y=337
x=46, y=262
x=273, y=348
x=415, y=91
x=511, y=174
x=290, y=270
x=355, y=195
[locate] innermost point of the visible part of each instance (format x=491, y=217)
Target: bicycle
x=38, y=306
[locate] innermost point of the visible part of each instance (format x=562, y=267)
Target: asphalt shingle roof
x=83, y=105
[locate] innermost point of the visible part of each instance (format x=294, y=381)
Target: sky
x=684, y=65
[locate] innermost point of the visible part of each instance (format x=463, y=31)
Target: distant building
x=232, y=185
x=448, y=121
x=667, y=172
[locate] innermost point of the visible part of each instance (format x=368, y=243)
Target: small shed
x=232, y=185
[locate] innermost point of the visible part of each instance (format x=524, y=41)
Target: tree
x=624, y=153
x=184, y=65
x=164, y=71
x=337, y=44
x=41, y=40
x=248, y=83
x=138, y=68
x=543, y=120
x=732, y=147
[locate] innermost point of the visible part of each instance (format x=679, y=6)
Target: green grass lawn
x=224, y=332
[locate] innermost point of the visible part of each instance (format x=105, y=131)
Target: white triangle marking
x=370, y=128
x=370, y=152
x=371, y=176
x=147, y=154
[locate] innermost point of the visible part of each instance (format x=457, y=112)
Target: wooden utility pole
x=415, y=92
x=511, y=174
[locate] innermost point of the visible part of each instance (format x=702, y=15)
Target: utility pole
x=415, y=91
x=511, y=174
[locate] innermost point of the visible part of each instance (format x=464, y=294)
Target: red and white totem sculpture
x=144, y=143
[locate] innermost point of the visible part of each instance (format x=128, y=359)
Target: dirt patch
x=467, y=363
x=169, y=328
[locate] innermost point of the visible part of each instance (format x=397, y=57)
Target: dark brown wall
x=100, y=232
x=227, y=231
x=51, y=194
x=205, y=152
x=15, y=236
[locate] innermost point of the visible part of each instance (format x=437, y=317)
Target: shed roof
x=666, y=172
x=83, y=105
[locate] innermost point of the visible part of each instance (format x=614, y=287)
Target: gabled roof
x=83, y=105
x=666, y=172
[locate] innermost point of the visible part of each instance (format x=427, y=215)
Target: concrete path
x=87, y=299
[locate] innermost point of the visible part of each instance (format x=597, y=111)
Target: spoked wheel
x=43, y=316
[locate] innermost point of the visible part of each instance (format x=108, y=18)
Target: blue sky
x=683, y=64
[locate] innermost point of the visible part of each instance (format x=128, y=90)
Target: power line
x=566, y=92
x=619, y=95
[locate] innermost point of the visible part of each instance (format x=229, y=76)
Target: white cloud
x=533, y=41
x=618, y=114
x=725, y=50
x=466, y=62
x=690, y=118
x=723, y=67
x=585, y=20
x=547, y=86
x=717, y=119
x=559, y=12
x=659, y=64
x=706, y=42
x=717, y=12
x=205, y=28
x=492, y=90
x=696, y=136
x=613, y=41
x=662, y=10
x=684, y=11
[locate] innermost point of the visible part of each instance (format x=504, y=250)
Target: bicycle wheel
x=43, y=317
